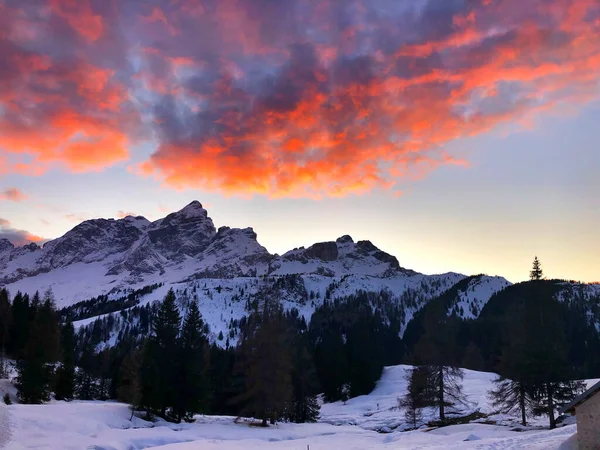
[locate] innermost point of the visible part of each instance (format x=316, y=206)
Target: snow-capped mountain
x=103, y=255
x=224, y=269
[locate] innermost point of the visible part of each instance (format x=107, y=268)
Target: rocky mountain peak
x=5, y=245
x=345, y=239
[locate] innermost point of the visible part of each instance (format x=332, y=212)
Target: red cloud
x=336, y=128
x=17, y=237
x=292, y=98
x=59, y=110
x=80, y=16
x=12, y=194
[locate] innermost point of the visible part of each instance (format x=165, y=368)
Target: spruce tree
x=536, y=273
x=35, y=368
x=545, y=364
x=416, y=397
x=305, y=407
x=65, y=374
x=130, y=388
x=86, y=387
x=265, y=364
x=192, y=392
x=20, y=326
x=5, y=324
x=150, y=378
x=165, y=336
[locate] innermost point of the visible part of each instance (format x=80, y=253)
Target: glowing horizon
x=456, y=135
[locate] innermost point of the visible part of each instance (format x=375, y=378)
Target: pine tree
x=192, y=392
x=5, y=324
x=416, y=396
x=266, y=365
x=165, y=335
x=150, y=378
x=35, y=368
x=85, y=380
x=65, y=374
x=20, y=326
x=536, y=273
x=130, y=389
x=305, y=407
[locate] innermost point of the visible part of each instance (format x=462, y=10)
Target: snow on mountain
x=106, y=255
x=470, y=301
x=341, y=257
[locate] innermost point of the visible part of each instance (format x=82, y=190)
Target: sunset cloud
x=13, y=195
x=17, y=237
x=283, y=99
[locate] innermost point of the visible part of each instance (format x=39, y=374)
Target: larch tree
x=438, y=350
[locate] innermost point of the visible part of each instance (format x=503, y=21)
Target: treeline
x=43, y=349
x=102, y=304
x=271, y=364
x=536, y=343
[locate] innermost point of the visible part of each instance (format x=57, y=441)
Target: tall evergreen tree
x=265, y=363
x=150, y=378
x=130, y=389
x=5, y=324
x=165, y=333
x=192, y=391
x=65, y=374
x=304, y=406
x=86, y=378
x=35, y=368
x=536, y=273
x=417, y=395
x=20, y=326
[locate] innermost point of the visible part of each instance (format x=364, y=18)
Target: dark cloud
x=281, y=98
x=17, y=237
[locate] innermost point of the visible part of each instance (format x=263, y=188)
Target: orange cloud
x=330, y=127
x=17, y=237
x=283, y=99
x=13, y=195
x=80, y=16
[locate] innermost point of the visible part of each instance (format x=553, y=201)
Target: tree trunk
x=441, y=393
x=522, y=405
x=550, y=390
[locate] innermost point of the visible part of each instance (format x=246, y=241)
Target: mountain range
x=225, y=267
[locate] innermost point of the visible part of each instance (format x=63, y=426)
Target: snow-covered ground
x=106, y=425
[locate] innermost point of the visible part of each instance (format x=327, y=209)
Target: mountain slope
x=103, y=256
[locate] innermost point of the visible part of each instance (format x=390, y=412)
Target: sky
x=457, y=135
